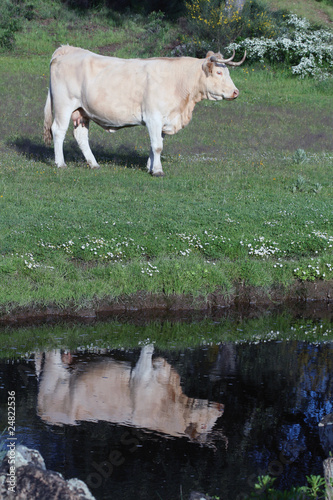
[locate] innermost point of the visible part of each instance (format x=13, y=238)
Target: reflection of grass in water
x=164, y=334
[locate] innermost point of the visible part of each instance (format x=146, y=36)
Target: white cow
x=148, y=396
x=159, y=93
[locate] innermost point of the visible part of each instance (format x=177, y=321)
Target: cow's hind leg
x=154, y=165
x=81, y=134
x=59, y=128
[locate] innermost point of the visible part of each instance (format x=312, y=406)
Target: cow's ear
x=209, y=54
x=208, y=67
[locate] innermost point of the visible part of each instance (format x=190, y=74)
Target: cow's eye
x=219, y=72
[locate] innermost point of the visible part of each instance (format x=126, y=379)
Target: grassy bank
x=247, y=199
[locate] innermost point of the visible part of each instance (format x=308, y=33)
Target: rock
x=26, y=456
x=29, y=479
x=326, y=433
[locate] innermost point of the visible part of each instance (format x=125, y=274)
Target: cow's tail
x=48, y=119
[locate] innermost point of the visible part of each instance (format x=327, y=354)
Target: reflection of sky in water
x=313, y=405
x=294, y=443
x=317, y=408
x=315, y=385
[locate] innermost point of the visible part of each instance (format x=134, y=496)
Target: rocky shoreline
x=25, y=477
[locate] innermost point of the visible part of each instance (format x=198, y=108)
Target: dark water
x=156, y=424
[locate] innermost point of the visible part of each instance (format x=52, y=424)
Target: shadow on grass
x=30, y=149
x=33, y=149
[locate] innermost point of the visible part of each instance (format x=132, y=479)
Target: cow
x=115, y=93
x=148, y=396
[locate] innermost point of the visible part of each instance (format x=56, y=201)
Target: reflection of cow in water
x=148, y=396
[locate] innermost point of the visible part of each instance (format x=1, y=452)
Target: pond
x=206, y=406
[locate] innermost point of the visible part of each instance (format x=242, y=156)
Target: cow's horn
x=229, y=61
x=221, y=60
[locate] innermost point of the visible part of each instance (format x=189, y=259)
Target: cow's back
x=67, y=61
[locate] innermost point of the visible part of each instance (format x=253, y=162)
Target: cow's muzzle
x=234, y=95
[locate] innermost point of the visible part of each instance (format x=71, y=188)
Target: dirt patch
x=306, y=299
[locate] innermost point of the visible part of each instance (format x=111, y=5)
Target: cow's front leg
x=154, y=165
x=152, y=162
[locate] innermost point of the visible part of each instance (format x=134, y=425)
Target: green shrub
x=9, y=23
x=315, y=490
x=12, y=16
x=172, y=8
x=214, y=24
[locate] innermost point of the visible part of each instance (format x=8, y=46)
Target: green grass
x=99, y=29
x=318, y=12
x=246, y=199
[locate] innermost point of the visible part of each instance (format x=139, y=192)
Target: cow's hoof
x=94, y=166
x=158, y=174
x=62, y=166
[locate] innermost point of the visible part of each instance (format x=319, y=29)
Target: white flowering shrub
x=308, y=51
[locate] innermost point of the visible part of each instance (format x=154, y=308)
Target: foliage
x=9, y=23
x=172, y=8
x=308, y=51
x=158, y=33
x=300, y=156
x=310, y=272
x=315, y=490
x=214, y=24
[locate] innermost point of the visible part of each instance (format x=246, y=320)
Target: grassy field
x=246, y=201
x=320, y=13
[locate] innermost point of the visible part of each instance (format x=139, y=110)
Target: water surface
x=155, y=422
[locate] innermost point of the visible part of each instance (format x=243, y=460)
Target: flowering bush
x=214, y=24
x=309, y=52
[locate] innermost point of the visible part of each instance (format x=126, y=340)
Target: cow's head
x=219, y=84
